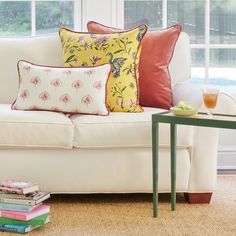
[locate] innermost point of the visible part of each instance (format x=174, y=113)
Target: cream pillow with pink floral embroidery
x=62, y=89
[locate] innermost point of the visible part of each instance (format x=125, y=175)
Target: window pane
x=51, y=15
x=191, y=15
x=148, y=12
x=15, y=18
x=223, y=21
x=223, y=66
x=198, y=65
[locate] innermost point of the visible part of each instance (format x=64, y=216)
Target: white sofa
x=95, y=154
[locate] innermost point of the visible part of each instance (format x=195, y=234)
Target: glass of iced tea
x=210, y=95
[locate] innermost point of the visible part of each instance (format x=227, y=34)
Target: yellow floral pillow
x=118, y=49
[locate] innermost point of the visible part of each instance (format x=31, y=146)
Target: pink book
x=19, y=215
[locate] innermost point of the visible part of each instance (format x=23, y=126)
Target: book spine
x=12, y=195
x=41, y=220
x=12, y=215
x=12, y=190
x=12, y=228
x=18, y=201
x=15, y=207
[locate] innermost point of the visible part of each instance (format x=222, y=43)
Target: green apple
x=184, y=106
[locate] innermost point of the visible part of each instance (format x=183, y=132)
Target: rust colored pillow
x=156, y=54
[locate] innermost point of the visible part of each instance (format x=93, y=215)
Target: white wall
x=103, y=11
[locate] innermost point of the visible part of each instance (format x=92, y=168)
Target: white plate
x=179, y=112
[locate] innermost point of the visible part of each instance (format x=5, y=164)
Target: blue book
x=16, y=207
x=21, y=229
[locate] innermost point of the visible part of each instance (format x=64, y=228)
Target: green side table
x=201, y=119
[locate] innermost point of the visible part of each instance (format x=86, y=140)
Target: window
x=210, y=24
x=34, y=17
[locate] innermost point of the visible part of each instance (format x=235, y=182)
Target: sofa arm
x=203, y=163
x=226, y=104
x=188, y=92
x=203, y=167
x=192, y=94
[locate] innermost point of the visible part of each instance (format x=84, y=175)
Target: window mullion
x=120, y=14
x=164, y=13
x=207, y=40
x=77, y=15
x=222, y=46
x=33, y=18
x=114, y=10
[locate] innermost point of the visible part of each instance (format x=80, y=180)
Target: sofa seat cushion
x=34, y=129
x=124, y=130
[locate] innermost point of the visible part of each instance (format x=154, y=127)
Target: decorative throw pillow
x=156, y=54
x=62, y=89
x=120, y=50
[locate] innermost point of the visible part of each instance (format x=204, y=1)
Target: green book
x=20, y=229
x=40, y=220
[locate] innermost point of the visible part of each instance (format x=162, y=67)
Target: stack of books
x=21, y=207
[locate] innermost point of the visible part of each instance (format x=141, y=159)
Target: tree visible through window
x=15, y=18
x=25, y=17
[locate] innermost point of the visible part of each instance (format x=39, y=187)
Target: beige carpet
x=132, y=214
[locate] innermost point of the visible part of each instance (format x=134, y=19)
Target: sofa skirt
x=126, y=170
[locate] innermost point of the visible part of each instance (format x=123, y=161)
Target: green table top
x=201, y=119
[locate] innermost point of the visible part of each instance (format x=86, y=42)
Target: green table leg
x=155, y=145
x=173, y=165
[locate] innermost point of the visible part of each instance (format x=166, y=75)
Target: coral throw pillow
x=156, y=54
x=118, y=49
x=63, y=89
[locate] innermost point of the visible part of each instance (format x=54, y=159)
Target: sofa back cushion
x=39, y=50
x=47, y=51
